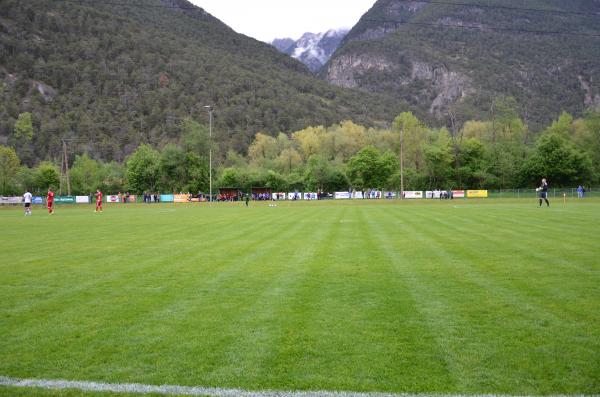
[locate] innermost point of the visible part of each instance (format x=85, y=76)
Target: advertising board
x=374, y=194
x=477, y=193
x=11, y=200
x=64, y=199
x=458, y=193
x=342, y=195
x=413, y=194
x=167, y=198
x=82, y=199
x=181, y=198
x=294, y=196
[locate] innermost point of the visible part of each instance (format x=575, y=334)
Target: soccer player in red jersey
x=50, y=201
x=98, y=200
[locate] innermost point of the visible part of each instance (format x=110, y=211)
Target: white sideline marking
x=212, y=391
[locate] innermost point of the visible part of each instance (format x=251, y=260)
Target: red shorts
x=98, y=203
x=50, y=204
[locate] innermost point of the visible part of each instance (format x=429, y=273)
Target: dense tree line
x=497, y=154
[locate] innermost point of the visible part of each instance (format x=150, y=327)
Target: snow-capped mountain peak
x=313, y=49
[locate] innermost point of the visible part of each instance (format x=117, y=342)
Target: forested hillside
x=109, y=76
x=451, y=59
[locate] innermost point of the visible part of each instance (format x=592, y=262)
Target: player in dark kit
x=543, y=192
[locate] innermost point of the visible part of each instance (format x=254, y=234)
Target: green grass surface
x=462, y=296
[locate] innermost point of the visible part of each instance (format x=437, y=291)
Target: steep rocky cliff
x=447, y=57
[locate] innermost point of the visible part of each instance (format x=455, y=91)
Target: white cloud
x=269, y=19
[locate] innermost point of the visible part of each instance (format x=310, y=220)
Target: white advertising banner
x=112, y=199
x=413, y=194
x=375, y=194
x=458, y=193
x=342, y=195
x=294, y=196
x=433, y=194
x=82, y=199
x=11, y=200
x=436, y=194
x=390, y=195
x=310, y=196
x=358, y=195
x=278, y=196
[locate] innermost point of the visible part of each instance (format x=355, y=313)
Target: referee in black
x=543, y=190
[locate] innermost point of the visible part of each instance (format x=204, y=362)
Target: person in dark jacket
x=543, y=192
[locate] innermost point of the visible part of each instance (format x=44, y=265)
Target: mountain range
x=108, y=76
x=111, y=75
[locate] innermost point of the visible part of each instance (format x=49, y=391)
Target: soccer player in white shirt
x=27, y=200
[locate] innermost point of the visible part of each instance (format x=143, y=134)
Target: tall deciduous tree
x=558, y=160
x=263, y=149
x=172, y=169
x=46, y=176
x=24, y=126
x=194, y=137
x=345, y=140
x=309, y=140
x=587, y=138
x=86, y=175
x=142, y=169
x=414, y=135
x=9, y=168
x=438, y=160
x=197, y=173
x=369, y=169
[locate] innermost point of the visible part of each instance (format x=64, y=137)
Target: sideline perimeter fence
x=384, y=195
x=531, y=193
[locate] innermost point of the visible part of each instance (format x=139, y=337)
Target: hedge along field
x=461, y=296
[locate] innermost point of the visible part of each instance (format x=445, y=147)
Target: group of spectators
x=261, y=196
x=151, y=197
x=123, y=197
x=229, y=197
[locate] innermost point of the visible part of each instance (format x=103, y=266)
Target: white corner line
x=215, y=391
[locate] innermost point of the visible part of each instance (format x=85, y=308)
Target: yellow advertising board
x=477, y=193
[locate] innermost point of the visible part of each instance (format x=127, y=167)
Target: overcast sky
x=269, y=19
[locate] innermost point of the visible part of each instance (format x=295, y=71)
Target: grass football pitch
x=461, y=296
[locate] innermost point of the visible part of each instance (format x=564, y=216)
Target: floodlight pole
x=210, y=110
x=402, y=164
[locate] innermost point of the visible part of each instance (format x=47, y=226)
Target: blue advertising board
x=167, y=198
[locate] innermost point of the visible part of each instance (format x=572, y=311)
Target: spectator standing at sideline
x=580, y=191
x=27, y=202
x=50, y=201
